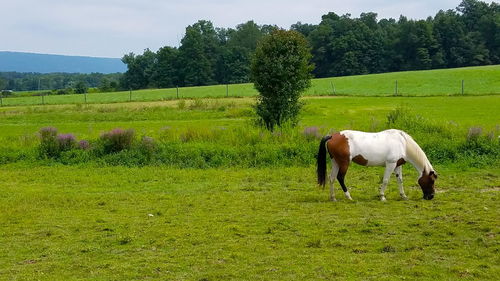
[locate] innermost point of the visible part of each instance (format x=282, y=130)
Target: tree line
x=340, y=45
x=66, y=82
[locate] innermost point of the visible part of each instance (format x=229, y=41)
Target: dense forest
x=341, y=45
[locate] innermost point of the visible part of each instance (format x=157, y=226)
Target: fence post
x=43, y=99
x=130, y=94
x=177, y=87
x=85, y=96
x=1, y=99
x=396, y=90
x=333, y=87
x=462, y=86
x=227, y=90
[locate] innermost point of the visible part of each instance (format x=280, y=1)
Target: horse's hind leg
x=340, y=177
x=389, y=167
x=333, y=175
x=399, y=176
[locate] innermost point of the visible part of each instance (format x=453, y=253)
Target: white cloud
x=111, y=28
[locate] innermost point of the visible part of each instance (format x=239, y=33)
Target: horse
x=390, y=148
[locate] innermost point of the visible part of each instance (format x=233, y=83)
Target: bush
x=148, y=147
x=67, y=91
x=6, y=93
x=281, y=71
x=49, y=146
x=117, y=140
x=81, y=87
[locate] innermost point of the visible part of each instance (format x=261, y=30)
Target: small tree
x=81, y=87
x=281, y=71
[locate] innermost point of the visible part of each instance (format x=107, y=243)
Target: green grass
x=483, y=80
x=219, y=132
x=361, y=113
x=92, y=221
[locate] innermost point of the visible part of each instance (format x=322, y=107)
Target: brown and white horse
x=390, y=148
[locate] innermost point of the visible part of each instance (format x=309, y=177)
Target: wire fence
x=319, y=87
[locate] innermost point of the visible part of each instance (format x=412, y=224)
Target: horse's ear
x=433, y=174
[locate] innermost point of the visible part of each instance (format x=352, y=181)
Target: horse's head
x=426, y=182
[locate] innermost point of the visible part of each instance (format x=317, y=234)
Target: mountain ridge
x=50, y=63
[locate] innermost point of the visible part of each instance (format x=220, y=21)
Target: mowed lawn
x=482, y=80
x=92, y=222
x=116, y=223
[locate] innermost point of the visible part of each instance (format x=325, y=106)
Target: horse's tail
x=321, y=161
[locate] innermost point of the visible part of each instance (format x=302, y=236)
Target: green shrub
x=248, y=146
x=49, y=146
x=117, y=140
x=148, y=147
x=281, y=72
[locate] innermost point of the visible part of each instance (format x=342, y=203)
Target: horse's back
x=378, y=148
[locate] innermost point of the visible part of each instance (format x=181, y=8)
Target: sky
x=112, y=28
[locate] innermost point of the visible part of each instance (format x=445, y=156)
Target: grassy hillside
x=477, y=81
x=482, y=80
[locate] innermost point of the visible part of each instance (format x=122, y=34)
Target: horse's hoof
x=405, y=198
x=348, y=195
x=382, y=198
x=333, y=199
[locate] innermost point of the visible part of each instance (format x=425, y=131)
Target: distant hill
x=43, y=63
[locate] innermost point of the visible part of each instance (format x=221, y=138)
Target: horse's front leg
x=389, y=167
x=399, y=176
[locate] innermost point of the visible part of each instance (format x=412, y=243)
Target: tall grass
x=249, y=146
x=445, y=144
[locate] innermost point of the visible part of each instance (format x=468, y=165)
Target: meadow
x=157, y=223
x=482, y=80
x=221, y=199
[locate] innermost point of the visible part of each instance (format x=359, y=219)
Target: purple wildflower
x=66, y=141
x=84, y=145
x=311, y=132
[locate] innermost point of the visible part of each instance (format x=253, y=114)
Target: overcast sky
x=111, y=28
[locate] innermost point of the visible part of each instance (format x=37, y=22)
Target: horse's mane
x=415, y=154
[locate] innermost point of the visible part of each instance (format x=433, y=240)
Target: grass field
x=154, y=223
x=482, y=80
x=99, y=221
x=330, y=112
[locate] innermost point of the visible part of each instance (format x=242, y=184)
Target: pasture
x=482, y=80
x=226, y=218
